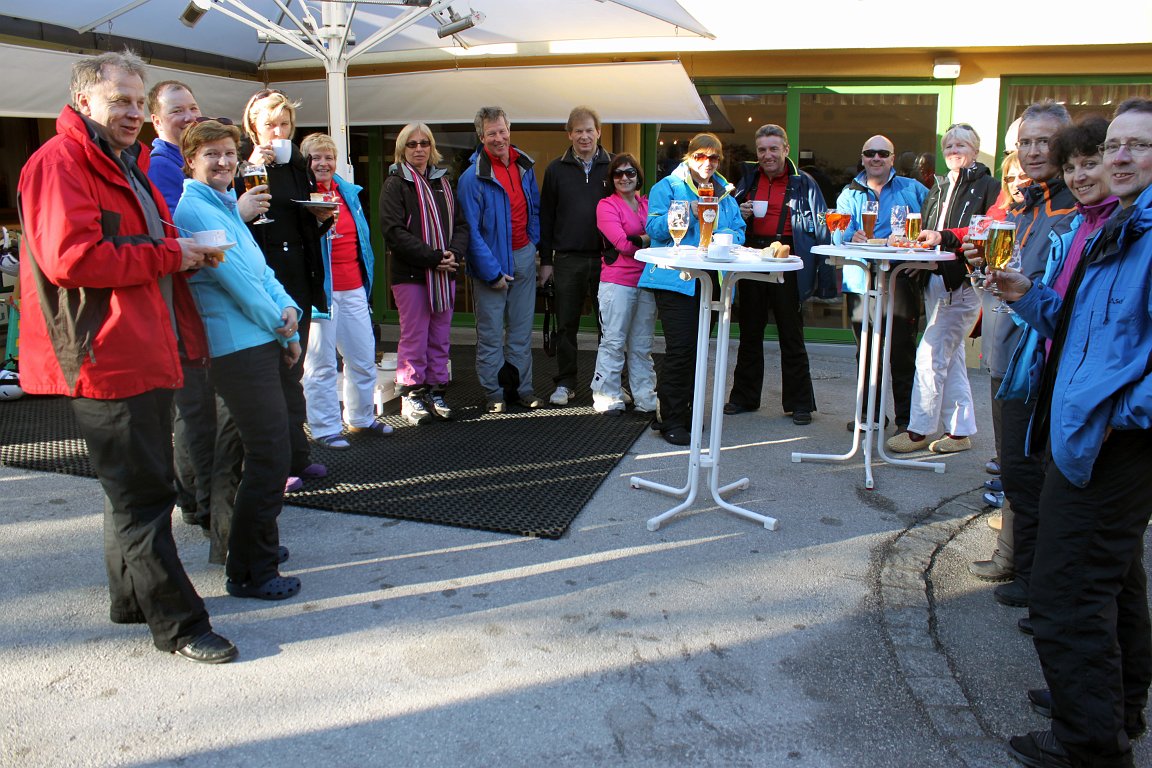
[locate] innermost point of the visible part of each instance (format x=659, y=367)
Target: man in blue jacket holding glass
x=879, y=183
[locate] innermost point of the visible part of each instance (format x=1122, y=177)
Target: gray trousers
x=504, y=326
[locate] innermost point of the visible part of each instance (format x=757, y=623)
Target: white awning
x=635, y=92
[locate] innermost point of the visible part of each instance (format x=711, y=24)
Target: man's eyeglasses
x=884, y=153
x=700, y=157
x=422, y=143
x=1026, y=144
x=620, y=173
x=221, y=120
x=1135, y=148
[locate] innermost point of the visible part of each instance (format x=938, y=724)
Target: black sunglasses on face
x=413, y=144
x=622, y=172
x=874, y=152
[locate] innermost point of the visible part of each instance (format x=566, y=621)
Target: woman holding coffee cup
x=290, y=243
x=678, y=301
x=251, y=324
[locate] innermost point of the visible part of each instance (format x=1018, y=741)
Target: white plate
x=872, y=248
x=223, y=246
x=317, y=203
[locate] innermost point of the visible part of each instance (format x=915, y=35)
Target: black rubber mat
x=525, y=472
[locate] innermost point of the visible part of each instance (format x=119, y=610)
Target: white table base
x=880, y=294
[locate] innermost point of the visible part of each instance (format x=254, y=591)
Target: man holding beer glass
x=1047, y=203
x=713, y=211
x=1093, y=418
x=878, y=184
x=781, y=204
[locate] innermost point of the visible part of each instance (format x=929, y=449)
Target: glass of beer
x=677, y=223
x=1000, y=251
x=868, y=218
x=707, y=209
x=255, y=176
x=912, y=226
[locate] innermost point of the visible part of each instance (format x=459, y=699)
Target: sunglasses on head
x=622, y=172
x=422, y=143
x=221, y=120
x=702, y=156
x=874, y=152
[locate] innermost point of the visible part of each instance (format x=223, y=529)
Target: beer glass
x=868, y=218
x=677, y=223
x=255, y=176
x=707, y=209
x=912, y=226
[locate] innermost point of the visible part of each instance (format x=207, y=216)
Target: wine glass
x=254, y=176
x=1002, y=252
x=677, y=223
x=899, y=220
x=330, y=197
x=978, y=227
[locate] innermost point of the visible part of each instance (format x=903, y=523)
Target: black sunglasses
x=221, y=120
x=621, y=172
x=874, y=152
x=422, y=143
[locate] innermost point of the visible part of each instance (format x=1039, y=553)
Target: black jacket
x=568, y=199
x=976, y=191
x=291, y=243
x=409, y=255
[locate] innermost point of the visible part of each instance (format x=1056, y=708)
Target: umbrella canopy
x=335, y=32
x=224, y=29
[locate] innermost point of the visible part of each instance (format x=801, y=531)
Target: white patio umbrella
x=294, y=33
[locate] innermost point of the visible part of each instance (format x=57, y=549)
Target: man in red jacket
x=115, y=317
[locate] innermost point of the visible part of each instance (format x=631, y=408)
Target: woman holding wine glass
x=347, y=326
x=627, y=312
x=677, y=300
x=251, y=324
x=291, y=246
x=941, y=389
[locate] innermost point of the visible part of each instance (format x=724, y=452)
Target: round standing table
x=694, y=266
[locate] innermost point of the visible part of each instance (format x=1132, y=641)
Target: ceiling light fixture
x=195, y=11
x=457, y=24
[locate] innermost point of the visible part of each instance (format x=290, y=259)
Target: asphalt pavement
x=852, y=636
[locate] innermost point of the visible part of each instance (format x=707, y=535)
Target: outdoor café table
x=876, y=262
x=694, y=266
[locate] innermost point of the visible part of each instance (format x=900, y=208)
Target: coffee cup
x=283, y=150
x=759, y=208
x=210, y=237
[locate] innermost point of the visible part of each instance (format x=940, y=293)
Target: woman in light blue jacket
x=251, y=324
x=678, y=300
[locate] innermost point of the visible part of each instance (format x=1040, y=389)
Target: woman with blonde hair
x=291, y=246
x=347, y=326
x=942, y=390
x=427, y=237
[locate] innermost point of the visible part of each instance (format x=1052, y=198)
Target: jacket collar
x=484, y=165
x=600, y=157
x=404, y=171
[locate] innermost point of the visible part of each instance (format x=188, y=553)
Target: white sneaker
x=10, y=385
x=414, y=409
x=560, y=396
